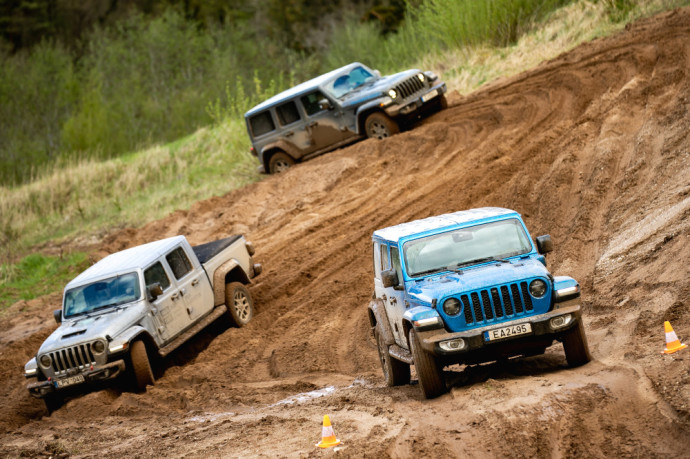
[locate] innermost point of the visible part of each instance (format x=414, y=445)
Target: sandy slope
x=592, y=148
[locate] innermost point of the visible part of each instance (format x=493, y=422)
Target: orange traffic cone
x=673, y=344
x=327, y=435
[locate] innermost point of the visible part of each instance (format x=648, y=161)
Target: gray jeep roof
x=395, y=233
x=126, y=261
x=300, y=88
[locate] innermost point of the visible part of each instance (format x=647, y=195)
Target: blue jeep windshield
x=347, y=82
x=475, y=244
x=102, y=294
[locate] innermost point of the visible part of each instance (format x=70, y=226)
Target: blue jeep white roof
x=126, y=261
x=395, y=233
x=300, y=88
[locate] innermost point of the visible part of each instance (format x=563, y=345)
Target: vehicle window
x=179, y=263
x=385, y=264
x=395, y=261
x=498, y=240
x=311, y=102
x=156, y=273
x=287, y=113
x=261, y=123
x=347, y=82
x=114, y=291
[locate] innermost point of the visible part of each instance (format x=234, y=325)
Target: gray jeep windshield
x=465, y=246
x=114, y=291
x=347, y=82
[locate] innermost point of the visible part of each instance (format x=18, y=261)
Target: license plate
x=69, y=381
x=507, y=332
x=428, y=97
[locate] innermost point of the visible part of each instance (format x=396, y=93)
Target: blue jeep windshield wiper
x=475, y=261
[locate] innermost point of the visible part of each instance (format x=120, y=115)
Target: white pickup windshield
x=464, y=247
x=102, y=294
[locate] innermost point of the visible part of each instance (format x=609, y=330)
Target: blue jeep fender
x=378, y=315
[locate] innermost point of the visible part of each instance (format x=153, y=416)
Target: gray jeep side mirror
x=155, y=290
x=325, y=104
x=57, y=315
x=389, y=278
x=544, y=244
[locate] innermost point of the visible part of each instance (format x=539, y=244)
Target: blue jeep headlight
x=392, y=94
x=451, y=306
x=537, y=288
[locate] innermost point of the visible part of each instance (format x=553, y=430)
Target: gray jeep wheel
x=575, y=346
x=395, y=372
x=379, y=126
x=280, y=162
x=141, y=366
x=429, y=372
x=239, y=303
x=53, y=402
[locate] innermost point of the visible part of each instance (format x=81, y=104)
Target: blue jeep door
x=393, y=297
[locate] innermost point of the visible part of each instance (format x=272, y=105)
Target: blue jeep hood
x=474, y=278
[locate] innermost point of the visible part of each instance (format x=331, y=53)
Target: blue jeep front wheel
x=429, y=371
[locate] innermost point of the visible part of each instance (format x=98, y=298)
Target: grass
x=37, y=274
x=87, y=197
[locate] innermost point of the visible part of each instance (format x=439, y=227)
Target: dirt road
x=592, y=148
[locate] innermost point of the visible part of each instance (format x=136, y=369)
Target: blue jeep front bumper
x=544, y=330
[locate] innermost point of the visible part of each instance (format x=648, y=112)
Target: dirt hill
x=592, y=147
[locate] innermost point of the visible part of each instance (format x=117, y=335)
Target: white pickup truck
x=137, y=304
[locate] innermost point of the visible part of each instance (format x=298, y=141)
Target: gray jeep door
x=324, y=127
x=168, y=308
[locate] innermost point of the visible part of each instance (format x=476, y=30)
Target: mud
x=592, y=147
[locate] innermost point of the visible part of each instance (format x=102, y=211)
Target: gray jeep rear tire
x=379, y=126
x=239, y=303
x=395, y=372
x=575, y=346
x=429, y=371
x=280, y=162
x=141, y=366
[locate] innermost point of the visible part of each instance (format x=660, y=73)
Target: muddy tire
x=280, y=162
x=429, y=371
x=141, y=366
x=575, y=346
x=53, y=402
x=442, y=102
x=395, y=372
x=239, y=303
x=379, y=126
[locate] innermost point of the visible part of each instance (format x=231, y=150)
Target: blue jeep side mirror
x=544, y=244
x=389, y=278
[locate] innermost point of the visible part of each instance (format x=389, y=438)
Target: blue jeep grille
x=409, y=87
x=496, y=302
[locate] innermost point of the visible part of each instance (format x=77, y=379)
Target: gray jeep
x=338, y=108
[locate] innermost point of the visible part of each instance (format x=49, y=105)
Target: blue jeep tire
x=575, y=346
x=429, y=371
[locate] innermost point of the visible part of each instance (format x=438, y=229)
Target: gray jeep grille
x=506, y=300
x=409, y=87
x=79, y=356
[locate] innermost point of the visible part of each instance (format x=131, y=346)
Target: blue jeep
x=468, y=287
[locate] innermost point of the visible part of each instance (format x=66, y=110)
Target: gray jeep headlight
x=451, y=306
x=421, y=77
x=392, y=94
